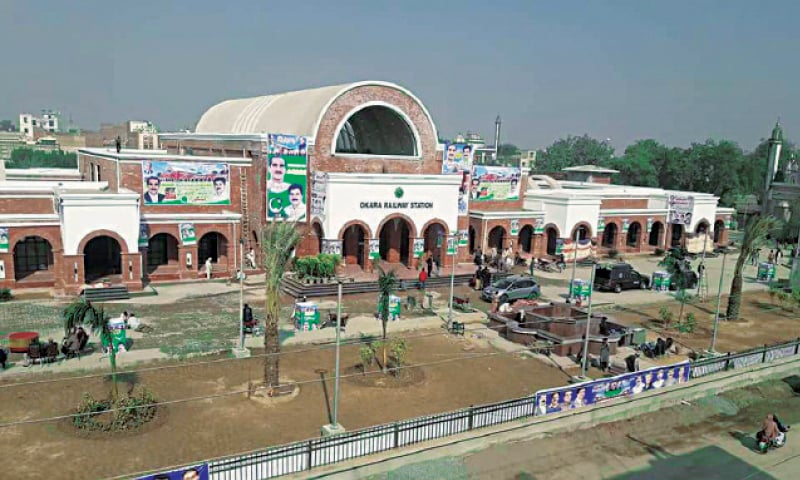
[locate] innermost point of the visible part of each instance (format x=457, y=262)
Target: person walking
x=429, y=264
x=771, y=256
x=208, y=268
x=423, y=277
x=605, y=355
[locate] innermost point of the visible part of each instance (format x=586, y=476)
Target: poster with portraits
x=680, y=209
x=319, y=193
x=188, y=235
x=332, y=247
x=375, y=249
x=463, y=193
x=185, y=183
x=144, y=236
x=196, y=472
x=419, y=247
x=494, y=183
x=538, y=226
x=463, y=238
x=562, y=399
x=457, y=158
x=4, y=240
x=287, y=169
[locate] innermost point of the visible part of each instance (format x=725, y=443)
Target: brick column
x=72, y=274
x=190, y=271
x=131, y=270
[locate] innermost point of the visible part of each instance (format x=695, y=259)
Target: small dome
x=777, y=132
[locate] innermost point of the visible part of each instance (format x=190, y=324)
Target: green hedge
x=322, y=265
x=30, y=158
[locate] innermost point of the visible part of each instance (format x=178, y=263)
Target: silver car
x=512, y=288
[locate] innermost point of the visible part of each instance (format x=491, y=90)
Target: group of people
x=428, y=269
x=74, y=342
x=774, y=255
x=503, y=260
x=772, y=433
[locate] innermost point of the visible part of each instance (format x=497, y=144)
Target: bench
x=462, y=303
x=457, y=328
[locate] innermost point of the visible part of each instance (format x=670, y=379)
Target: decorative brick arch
x=431, y=222
x=103, y=233
x=411, y=226
x=169, y=229
x=53, y=240
x=367, y=231
x=579, y=225
x=701, y=222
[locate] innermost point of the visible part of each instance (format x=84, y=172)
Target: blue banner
x=457, y=158
x=197, y=472
x=567, y=398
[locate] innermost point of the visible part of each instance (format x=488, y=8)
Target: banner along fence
x=306, y=455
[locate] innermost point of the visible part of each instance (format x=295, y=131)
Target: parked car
x=619, y=277
x=512, y=288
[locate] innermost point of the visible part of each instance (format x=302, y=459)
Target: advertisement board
x=457, y=158
x=419, y=247
x=649, y=224
x=463, y=193
x=680, y=209
x=143, y=235
x=494, y=183
x=185, y=183
x=3, y=239
x=319, y=191
x=538, y=227
x=188, y=235
x=287, y=169
x=601, y=224
x=570, y=397
x=452, y=245
x=514, y=227
x=463, y=238
x=332, y=247
x=375, y=248
x=197, y=472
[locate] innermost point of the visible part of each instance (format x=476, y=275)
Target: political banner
x=185, y=183
x=287, y=168
x=3, y=239
x=188, y=235
x=463, y=194
x=649, y=224
x=463, y=238
x=585, y=249
x=419, y=247
x=515, y=227
x=494, y=183
x=680, y=209
x=451, y=245
x=319, y=192
x=457, y=158
x=626, y=224
x=595, y=392
x=601, y=224
x=332, y=247
x=538, y=227
x=143, y=235
x=198, y=472
x=375, y=249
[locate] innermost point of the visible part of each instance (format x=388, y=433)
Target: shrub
x=129, y=413
x=613, y=253
x=666, y=315
x=367, y=355
x=399, y=349
x=688, y=325
x=301, y=266
x=5, y=295
x=659, y=252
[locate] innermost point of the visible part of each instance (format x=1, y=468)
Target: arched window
x=376, y=130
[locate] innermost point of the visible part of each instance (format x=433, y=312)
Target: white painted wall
x=82, y=214
x=703, y=209
x=346, y=193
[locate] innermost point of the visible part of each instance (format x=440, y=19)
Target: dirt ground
x=197, y=430
x=760, y=322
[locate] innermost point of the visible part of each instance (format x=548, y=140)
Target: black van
x=619, y=277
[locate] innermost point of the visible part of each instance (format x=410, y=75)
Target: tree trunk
x=113, y=358
x=383, y=322
x=735, y=298
x=272, y=345
x=683, y=305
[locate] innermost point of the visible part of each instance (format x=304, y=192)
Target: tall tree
x=572, y=151
x=637, y=165
x=7, y=126
x=715, y=167
x=680, y=276
x=755, y=233
x=387, y=284
x=278, y=241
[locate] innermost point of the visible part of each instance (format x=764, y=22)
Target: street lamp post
x=334, y=427
x=702, y=263
x=719, y=302
x=452, y=285
x=241, y=295
x=585, y=359
x=574, y=264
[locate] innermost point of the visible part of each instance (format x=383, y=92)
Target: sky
x=677, y=71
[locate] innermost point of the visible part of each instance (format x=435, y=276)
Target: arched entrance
x=582, y=231
x=677, y=235
x=212, y=245
x=471, y=239
x=102, y=257
x=353, y=245
x=526, y=238
x=634, y=235
x=610, y=235
x=320, y=234
x=497, y=237
x=435, y=237
x=395, y=241
x=552, y=240
x=719, y=227
x=701, y=228
x=32, y=255
x=656, y=230
x=162, y=249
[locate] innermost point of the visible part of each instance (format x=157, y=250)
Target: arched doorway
x=610, y=235
x=526, y=238
x=353, y=245
x=552, y=240
x=435, y=241
x=102, y=257
x=701, y=228
x=471, y=239
x=497, y=237
x=677, y=235
x=212, y=245
x=395, y=241
x=719, y=227
x=634, y=235
x=318, y=232
x=582, y=231
x=656, y=231
x=32, y=255
x=162, y=249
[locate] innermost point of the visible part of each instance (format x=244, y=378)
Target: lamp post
x=452, y=284
x=574, y=263
x=241, y=294
x=334, y=428
x=719, y=301
x=702, y=262
x=585, y=358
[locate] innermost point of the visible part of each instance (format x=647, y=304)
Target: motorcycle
x=777, y=442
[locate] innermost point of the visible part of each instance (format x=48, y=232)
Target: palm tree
x=278, y=242
x=82, y=312
x=387, y=283
x=755, y=233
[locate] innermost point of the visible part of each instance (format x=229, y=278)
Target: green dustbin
x=638, y=336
